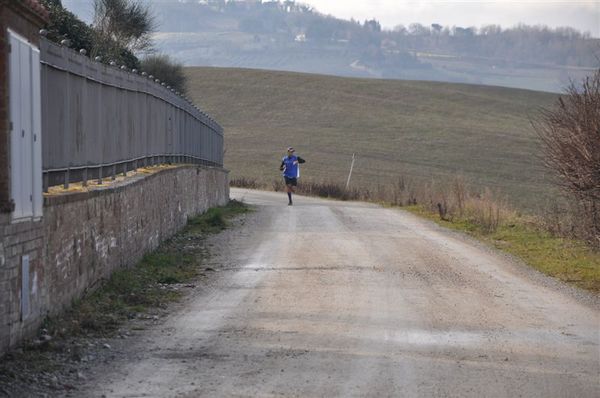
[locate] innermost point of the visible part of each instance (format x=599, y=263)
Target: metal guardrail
x=96, y=173
x=100, y=120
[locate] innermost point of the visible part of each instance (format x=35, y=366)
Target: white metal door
x=25, y=122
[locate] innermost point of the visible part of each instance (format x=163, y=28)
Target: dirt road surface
x=329, y=298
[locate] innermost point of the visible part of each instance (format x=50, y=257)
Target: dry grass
x=452, y=201
x=421, y=130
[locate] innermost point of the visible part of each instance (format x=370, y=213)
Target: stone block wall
x=85, y=236
x=16, y=240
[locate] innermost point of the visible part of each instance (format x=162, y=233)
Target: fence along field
x=99, y=120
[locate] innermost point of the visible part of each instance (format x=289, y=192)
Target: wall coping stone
x=70, y=197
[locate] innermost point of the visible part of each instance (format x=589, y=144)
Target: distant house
x=389, y=45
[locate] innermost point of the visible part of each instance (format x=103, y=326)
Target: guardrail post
x=114, y=172
x=100, y=175
x=46, y=182
x=67, y=177
x=85, y=177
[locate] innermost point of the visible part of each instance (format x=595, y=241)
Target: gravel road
x=330, y=298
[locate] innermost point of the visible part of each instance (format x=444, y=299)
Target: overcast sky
x=583, y=15
x=580, y=14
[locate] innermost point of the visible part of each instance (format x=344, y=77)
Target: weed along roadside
x=568, y=260
x=128, y=302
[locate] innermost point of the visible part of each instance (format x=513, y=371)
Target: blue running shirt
x=291, y=166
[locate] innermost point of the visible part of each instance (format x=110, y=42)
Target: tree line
x=519, y=44
x=533, y=44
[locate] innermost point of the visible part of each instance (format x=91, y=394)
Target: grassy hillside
x=421, y=129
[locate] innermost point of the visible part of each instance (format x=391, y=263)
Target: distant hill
x=290, y=36
x=423, y=130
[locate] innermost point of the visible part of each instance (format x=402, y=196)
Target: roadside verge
x=132, y=299
x=568, y=260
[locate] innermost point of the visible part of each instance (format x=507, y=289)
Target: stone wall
x=16, y=240
x=84, y=236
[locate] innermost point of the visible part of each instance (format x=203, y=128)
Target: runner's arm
x=282, y=166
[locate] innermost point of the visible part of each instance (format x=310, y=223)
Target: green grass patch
x=569, y=260
x=215, y=219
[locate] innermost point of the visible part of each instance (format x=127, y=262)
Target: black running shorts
x=291, y=181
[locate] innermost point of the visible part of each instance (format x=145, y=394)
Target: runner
x=291, y=172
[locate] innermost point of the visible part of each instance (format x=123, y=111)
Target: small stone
x=106, y=346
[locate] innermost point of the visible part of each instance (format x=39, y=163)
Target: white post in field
x=351, y=168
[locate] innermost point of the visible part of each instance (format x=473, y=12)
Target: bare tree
x=570, y=134
x=166, y=69
x=128, y=23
